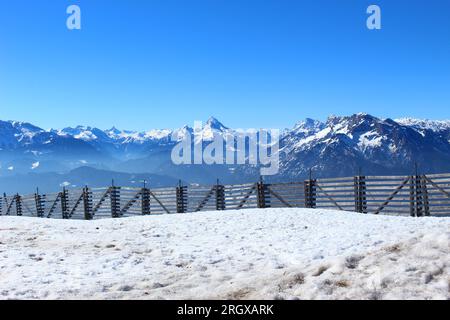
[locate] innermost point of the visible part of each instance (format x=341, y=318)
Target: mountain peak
x=114, y=131
x=213, y=123
x=308, y=125
x=434, y=125
x=354, y=119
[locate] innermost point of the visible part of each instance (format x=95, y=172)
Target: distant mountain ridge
x=341, y=145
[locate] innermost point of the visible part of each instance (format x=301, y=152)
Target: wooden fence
x=418, y=195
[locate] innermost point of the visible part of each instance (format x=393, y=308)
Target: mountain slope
x=344, y=145
x=340, y=146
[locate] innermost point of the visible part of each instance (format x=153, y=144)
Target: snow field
x=246, y=254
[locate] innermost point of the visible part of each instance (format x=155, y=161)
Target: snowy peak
x=25, y=127
x=116, y=136
x=380, y=146
x=352, y=122
x=310, y=133
x=84, y=133
x=112, y=135
x=425, y=124
x=14, y=133
x=181, y=133
x=215, y=124
x=113, y=131
x=19, y=127
x=309, y=125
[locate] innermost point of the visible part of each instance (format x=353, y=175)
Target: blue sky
x=163, y=63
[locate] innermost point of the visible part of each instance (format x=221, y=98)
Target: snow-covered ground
x=247, y=254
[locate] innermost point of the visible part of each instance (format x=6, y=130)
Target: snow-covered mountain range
x=339, y=146
x=345, y=145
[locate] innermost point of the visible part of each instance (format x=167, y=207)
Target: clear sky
x=251, y=63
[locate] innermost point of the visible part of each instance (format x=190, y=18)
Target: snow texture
x=247, y=254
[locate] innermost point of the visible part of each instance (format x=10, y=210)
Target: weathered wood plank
x=329, y=197
x=397, y=190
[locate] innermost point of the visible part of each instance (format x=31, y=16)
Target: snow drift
x=247, y=254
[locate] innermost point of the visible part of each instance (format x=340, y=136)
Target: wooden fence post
x=5, y=204
x=114, y=194
x=18, y=199
x=412, y=198
x=356, y=192
x=87, y=204
x=65, y=204
x=418, y=196
x=8, y=205
x=419, y=199
x=39, y=204
x=360, y=194
x=260, y=195
x=426, y=201
x=182, y=199
x=263, y=194
x=145, y=201
x=313, y=193
x=310, y=193
x=307, y=196
x=220, y=196
x=363, y=190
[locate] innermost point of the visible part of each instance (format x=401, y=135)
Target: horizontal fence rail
x=415, y=195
